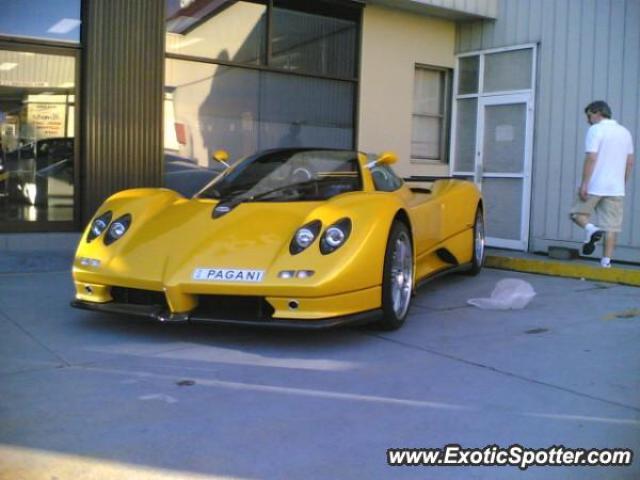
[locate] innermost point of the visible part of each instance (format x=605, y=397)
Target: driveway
x=86, y=395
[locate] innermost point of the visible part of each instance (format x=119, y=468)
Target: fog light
x=287, y=274
x=88, y=289
x=89, y=262
x=304, y=273
x=294, y=304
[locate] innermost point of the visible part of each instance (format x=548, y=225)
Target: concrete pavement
x=86, y=395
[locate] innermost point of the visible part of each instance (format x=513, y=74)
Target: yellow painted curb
x=562, y=269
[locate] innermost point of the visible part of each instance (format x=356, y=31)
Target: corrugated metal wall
x=123, y=64
x=588, y=50
x=451, y=9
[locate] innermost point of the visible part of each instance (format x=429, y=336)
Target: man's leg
x=580, y=219
x=610, y=243
x=611, y=210
x=580, y=214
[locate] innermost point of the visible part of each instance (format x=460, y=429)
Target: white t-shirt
x=612, y=142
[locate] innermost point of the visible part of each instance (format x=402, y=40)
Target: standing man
x=607, y=167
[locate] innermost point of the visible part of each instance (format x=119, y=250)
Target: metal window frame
x=480, y=93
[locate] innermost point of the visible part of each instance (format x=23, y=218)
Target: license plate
x=228, y=275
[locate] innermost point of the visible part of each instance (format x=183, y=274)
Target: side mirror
x=221, y=156
x=387, y=158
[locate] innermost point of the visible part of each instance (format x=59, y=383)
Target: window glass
x=465, y=144
x=213, y=107
x=310, y=43
x=385, y=179
x=508, y=70
x=504, y=138
x=49, y=19
x=428, y=114
x=37, y=103
x=288, y=175
x=468, y=75
x=222, y=30
x=503, y=206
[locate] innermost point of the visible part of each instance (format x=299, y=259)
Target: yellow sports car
x=287, y=237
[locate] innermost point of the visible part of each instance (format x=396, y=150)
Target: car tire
x=397, y=278
x=478, y=244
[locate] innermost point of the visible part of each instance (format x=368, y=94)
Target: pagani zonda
x=298, y=237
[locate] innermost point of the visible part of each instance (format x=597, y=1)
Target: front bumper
x=161, y=314
x=310, y=306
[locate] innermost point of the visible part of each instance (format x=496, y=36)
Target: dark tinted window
x=385, y=179
x=232, y=31
x=311, y=43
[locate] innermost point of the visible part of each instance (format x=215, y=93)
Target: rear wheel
x=397, y=277
x=477, y=261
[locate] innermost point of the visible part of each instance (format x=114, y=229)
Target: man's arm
x=589, y=163
x=627, y=172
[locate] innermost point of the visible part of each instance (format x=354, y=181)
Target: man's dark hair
x=599, y=106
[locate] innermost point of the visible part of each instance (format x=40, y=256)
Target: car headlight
x=117, y=229
x=335, y=236
x=99, y=225
x=304, y=237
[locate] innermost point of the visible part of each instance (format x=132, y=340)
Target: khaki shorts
x=609, y=210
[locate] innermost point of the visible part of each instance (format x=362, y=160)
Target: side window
x=431, y=99
x=385, y=179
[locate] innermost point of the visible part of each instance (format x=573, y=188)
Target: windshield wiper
x=223, y=197
x=306, y=183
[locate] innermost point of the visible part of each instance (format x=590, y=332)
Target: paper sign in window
x=504, y=133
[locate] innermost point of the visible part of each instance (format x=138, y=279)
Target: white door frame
x=483, y=99
x=525, y=175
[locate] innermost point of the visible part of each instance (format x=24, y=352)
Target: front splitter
x=162, y=315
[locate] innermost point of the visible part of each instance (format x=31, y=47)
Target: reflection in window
x=220, y=30
x=36, y=137
x=429, y=114
x=303, y=42
x=48, y=19
x=243, y=111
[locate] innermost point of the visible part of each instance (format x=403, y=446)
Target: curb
x=564, y=269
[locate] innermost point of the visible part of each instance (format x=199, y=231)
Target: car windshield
x=288, y=175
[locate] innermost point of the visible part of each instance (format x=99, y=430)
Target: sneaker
x=605, y=263
x=589, y=230
x=590, y=246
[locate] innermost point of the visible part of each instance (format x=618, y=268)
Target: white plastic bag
x=509, y=294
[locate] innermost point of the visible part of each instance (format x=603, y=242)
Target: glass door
x=502, y=167
x=492, y=136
